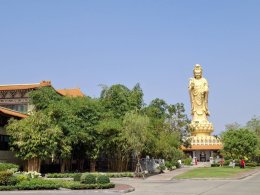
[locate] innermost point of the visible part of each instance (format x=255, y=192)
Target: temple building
x=203, y=145
x=14, y=103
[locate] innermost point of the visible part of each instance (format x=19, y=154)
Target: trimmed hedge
x=88, y=179
x=38, y=184
x=61, y=175
x=76, y=175
x=103, y=179
x=91, y=186
x=41, y=184
x=8, y=188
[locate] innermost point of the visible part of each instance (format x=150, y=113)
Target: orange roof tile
x=12, y=113
x=71, y=92
x=25, y=86
x=203, y=147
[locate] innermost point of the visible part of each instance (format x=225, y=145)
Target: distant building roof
x=12, y=113
x=71, y=92
x=75, y=92
x=25, y=86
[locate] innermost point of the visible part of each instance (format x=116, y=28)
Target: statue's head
x=197, y=71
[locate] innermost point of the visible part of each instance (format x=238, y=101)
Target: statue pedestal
x=201, y=128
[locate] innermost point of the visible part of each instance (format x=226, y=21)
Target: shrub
x=5, y=177
x=22, y=177
x=12, y=181
x=215, y=165
x=177, y=165
x=251, y=164
x=227, y=162
x=187, y=161
x=32, y=174
x=88, y=179
x=168, y=165
x=8, y=166
x=77, y=177
x=103, y=179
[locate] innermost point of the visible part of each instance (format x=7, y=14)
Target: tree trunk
x=65, y=165
x=34, y=164
x=62, y=167
x=80, y=164
x=92, y=165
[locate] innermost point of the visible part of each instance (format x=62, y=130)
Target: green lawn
x=212, y=172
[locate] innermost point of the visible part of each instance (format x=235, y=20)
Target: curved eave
x=12, y=113
x=25, y=86
x=202, y=147
x=75, y=92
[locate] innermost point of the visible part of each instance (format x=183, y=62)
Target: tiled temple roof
x=25, y=86
x=71, y=92
x=75, y=92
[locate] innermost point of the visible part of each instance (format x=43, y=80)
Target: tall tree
x=254, y=125
x=239, y=143
x=233, y=126
x=78, y=118
x=179, y=122
x=43, y=97
x=116, y=101
x=34, y=138
x=135, y=133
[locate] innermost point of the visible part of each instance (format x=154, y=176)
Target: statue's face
x=197, y=74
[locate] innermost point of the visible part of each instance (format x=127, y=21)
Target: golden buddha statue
x=199, y=90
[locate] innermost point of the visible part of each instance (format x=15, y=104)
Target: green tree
x=179, y=122
x=116, y=101
x=135, y=133
x=168, y=129
x=78, y=118
x=239, y=143
x=254, y=125
x=167, y=145
x=234, y=126
x=34, y=138
x=43, y=97
x=136, y=98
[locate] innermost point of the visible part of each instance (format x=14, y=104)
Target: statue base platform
x=204, y=128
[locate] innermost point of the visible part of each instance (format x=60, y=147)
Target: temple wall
x=200, y=157
x=8, y=156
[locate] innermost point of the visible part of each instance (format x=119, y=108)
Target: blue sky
x=85, y=43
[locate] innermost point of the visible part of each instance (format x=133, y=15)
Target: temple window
x=4, y=139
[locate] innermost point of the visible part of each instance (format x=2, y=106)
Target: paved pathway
x=169, y=175
x=163, y=185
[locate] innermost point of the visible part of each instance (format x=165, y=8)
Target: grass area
x=213, y=172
